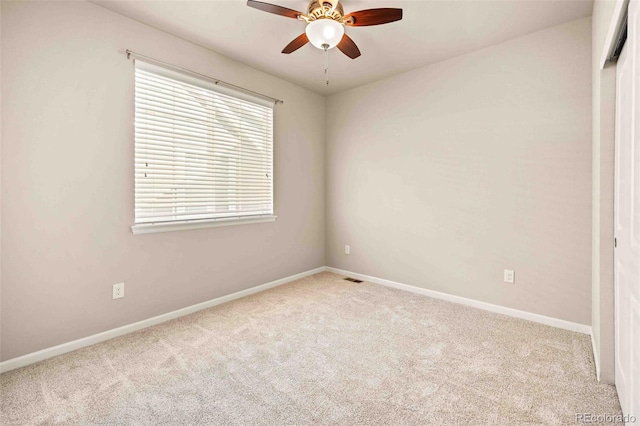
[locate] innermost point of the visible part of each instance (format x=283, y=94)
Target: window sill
x=149, y=228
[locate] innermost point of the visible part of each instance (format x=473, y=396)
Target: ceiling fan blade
x=272, y=8
x=348, y=47
x=364, y=18
x=296, y=44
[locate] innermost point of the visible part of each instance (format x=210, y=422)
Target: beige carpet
x=320, y=350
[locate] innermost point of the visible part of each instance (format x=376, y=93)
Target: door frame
x=604, y=355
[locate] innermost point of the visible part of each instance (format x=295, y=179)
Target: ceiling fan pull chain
x=326, y=62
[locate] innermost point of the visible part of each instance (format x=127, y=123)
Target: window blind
x=202, y=151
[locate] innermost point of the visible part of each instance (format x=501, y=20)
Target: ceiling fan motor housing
x=325, y=9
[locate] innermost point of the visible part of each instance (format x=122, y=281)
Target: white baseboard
x=43, y=354
x=596, y=357
x=554, y=322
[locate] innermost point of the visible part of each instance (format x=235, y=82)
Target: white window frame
x=176, y=225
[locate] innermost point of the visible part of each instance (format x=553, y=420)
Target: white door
x=627, y=219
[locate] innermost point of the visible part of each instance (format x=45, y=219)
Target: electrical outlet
x=347, y=250
x=509, y=276
x=118, y=291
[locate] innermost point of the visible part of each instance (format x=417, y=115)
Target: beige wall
x=67, y=182
x=446, y=175
x=604, y=96
x=1, y=132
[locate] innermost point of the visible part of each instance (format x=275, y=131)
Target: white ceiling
x=430, y=31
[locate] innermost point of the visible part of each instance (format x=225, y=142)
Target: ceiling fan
x=326, y=21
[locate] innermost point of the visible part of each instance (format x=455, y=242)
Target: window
x=203, y=153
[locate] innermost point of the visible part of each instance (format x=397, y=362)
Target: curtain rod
x=214, y=80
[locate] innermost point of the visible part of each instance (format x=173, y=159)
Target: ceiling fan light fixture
x=323, y=32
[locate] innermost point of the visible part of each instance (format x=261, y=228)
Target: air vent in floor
x=353, y=280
